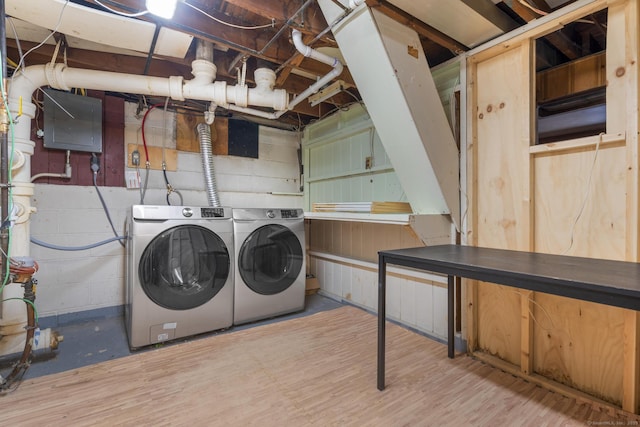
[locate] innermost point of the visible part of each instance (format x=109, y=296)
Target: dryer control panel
x=212, y=212
x=289, y=213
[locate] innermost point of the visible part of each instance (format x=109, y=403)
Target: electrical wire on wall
x=95, y=167
x=170, y=189
x=586, y=195
x=21, y=62
x=228, y=24
x=117, y=12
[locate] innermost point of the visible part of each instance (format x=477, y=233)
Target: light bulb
x=162, y=8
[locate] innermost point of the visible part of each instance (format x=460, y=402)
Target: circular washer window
x=270, y=259
x=184, y=267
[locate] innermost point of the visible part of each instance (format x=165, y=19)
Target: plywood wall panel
x=499, y=321
x=502, y=119
x=503, y=195
x=564, y=186
x=578, y=343
x=526, y=198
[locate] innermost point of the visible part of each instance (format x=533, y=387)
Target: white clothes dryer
x=179, y=278
x=270, y=269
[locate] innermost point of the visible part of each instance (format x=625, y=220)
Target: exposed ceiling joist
x=558, y=40
x=418, y=26
x=493, y=14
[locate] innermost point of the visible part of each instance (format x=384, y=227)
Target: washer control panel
x=187, y=212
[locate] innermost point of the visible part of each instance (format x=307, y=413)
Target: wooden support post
x=526, y=332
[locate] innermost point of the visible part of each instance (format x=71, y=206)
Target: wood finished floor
x=318, y=370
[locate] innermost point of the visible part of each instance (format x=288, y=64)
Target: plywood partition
x=502, y=189
x=578, y=197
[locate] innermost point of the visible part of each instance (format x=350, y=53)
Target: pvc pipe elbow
x=309, y=52
x=300, y=46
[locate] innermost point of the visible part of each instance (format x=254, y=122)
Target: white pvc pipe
x=318, y=56
x=309, y=52
x=66, y=78
x=355, y=3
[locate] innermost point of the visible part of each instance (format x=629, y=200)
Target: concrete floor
x=98, y=340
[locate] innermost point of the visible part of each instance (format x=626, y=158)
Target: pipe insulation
x=206, y=150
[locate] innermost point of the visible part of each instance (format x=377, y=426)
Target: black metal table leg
x=382, y=272
x=451, y=313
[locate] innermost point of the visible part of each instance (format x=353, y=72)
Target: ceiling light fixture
x=162, y=8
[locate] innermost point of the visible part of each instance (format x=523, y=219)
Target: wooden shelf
x=578, y=143
x=401, y=219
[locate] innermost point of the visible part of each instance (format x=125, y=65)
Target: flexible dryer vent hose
x=206, y=151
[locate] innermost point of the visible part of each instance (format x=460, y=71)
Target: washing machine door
x=270, y=259
x=184, y=267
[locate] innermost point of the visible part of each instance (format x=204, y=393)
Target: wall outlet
x=132, y=179
x=368, y=163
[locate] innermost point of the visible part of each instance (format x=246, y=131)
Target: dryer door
x=184, y=267
x=270, y=259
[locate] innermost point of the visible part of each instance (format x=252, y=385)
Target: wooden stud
x=526, y=332
x=630, y=92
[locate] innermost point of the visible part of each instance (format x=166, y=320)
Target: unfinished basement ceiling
x=96, y=38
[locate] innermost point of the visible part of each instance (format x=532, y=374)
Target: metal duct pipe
x=206, y=150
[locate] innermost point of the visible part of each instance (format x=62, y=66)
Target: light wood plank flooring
x=318, y=370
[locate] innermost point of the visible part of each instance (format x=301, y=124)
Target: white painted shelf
x=402, y=219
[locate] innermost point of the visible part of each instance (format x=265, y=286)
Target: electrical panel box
x=72, y=122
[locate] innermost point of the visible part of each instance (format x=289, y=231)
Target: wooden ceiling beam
x=418, y=26
x=256, y=43
x=492, y=13
x=310, y=20
x=556, y=39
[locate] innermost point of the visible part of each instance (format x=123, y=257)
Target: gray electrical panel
x=72, y=122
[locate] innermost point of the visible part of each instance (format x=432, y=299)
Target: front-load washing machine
x=270, y=263
x=179, y=272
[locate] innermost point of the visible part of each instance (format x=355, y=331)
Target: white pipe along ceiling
x=202, y=87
